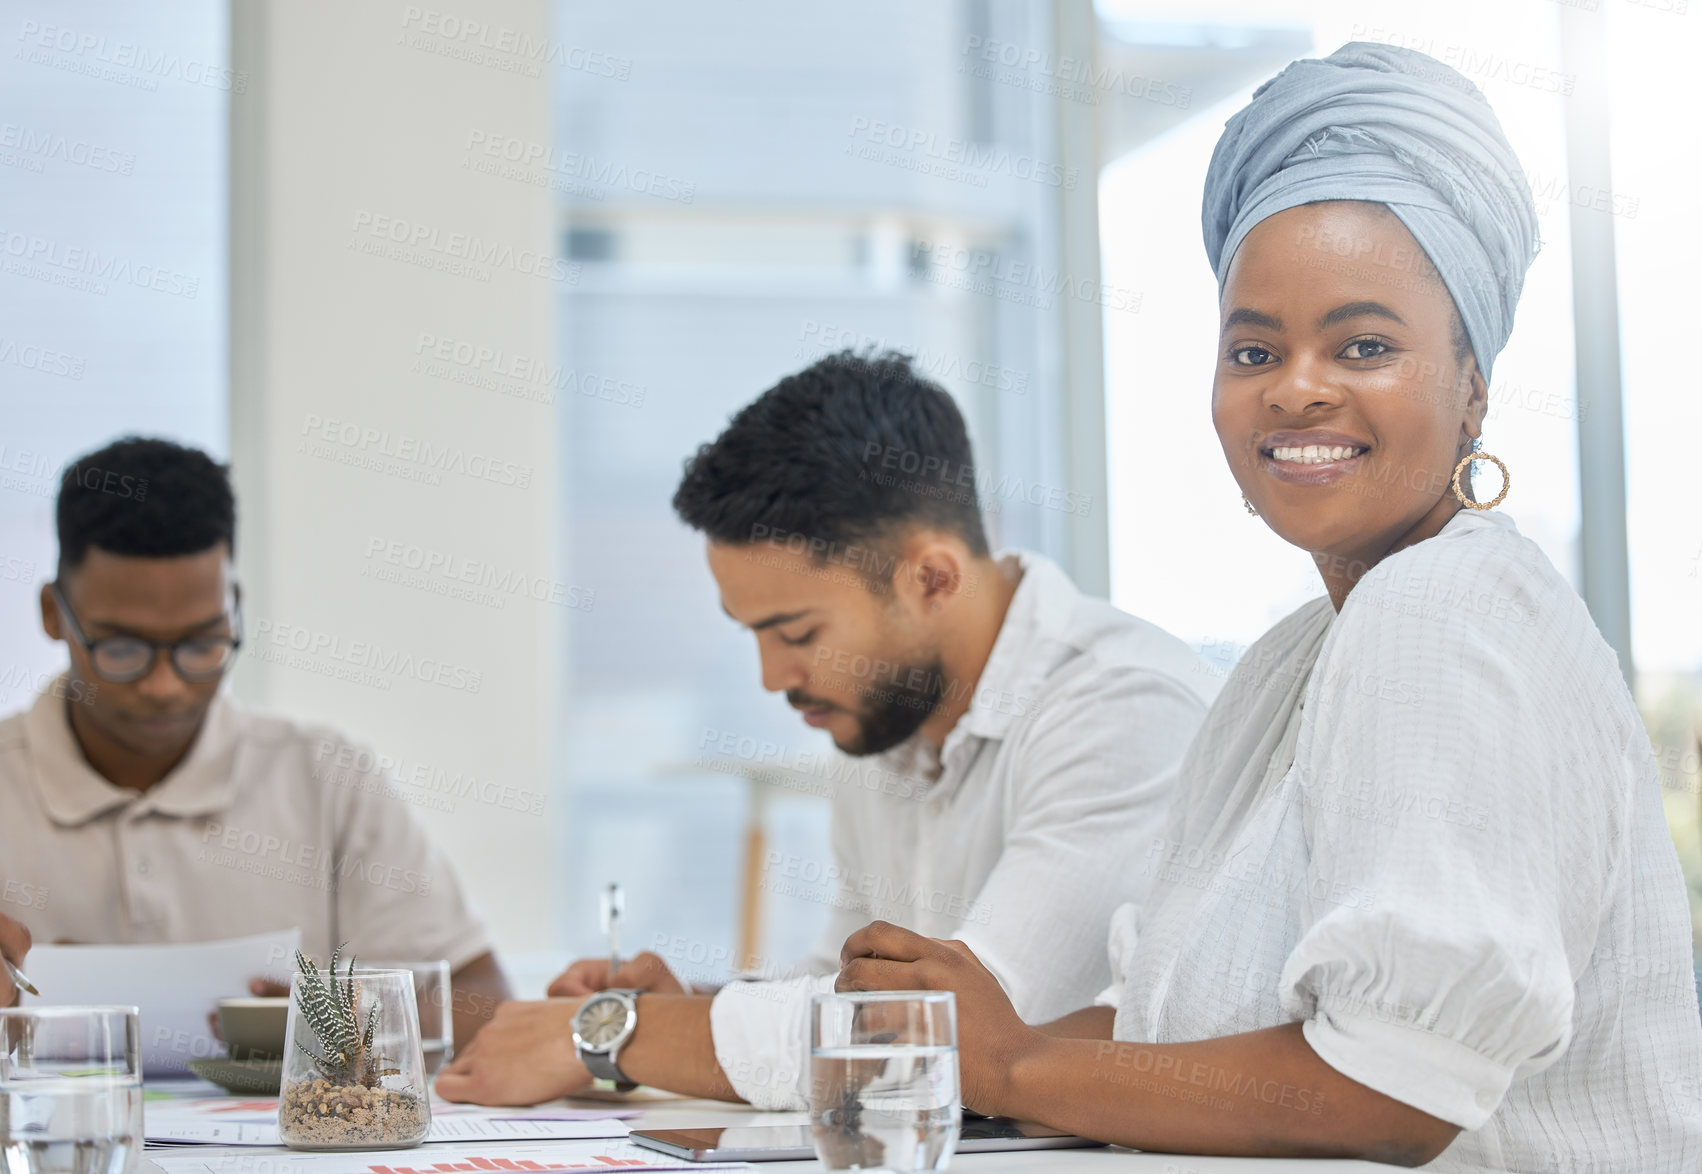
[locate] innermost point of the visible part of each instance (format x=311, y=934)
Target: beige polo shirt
x=261, y=827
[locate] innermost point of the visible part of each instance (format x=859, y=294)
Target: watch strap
x=599, y=1065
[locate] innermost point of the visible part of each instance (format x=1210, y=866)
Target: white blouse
x=1447, y=857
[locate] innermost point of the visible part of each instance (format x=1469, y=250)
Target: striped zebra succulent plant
x=331, y=1007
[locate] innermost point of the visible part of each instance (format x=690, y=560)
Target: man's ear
x=50, y=613
x=937, y=568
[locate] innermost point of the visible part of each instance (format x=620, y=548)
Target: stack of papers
x=176, y=987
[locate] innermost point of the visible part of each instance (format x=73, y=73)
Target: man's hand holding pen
x=14, y=944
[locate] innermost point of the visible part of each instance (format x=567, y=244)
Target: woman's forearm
x=1263, y=1093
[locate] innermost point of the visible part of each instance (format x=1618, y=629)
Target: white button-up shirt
x=1012, y=837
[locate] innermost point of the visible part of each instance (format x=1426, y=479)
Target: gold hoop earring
x=1465, y=461
x=1249, y=505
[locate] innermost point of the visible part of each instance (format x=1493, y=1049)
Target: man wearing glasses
x=139, y=803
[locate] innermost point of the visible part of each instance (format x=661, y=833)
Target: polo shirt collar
x=72, y=792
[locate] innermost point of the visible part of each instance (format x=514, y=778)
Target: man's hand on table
x=14, y=944
x=642, y=972
x=523, y=1056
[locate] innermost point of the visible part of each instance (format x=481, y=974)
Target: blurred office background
x=456, y=290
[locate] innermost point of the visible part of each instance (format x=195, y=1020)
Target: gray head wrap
x=1396, y=127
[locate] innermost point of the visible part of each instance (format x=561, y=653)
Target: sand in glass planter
x=354, y=1074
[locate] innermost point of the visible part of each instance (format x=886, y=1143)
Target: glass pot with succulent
x=354, y=1074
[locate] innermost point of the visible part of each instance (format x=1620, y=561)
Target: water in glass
x=884, y=1092
x=77, y=1125
x=70, y=1090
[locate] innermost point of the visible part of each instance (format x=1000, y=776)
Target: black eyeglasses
x=130, y=658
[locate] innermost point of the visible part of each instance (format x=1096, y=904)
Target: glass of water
x=437, y=1009
x=884, y=1092
x=70, y=1090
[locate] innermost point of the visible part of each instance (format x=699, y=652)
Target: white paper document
x=460, y=1159
x=242, y=1121
x=176, y=986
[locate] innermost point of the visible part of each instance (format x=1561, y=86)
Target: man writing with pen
x=14, y=944
x=1030, y=732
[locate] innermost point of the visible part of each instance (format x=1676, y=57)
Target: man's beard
x=891, y=712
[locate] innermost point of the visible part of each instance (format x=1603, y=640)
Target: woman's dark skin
x=1405, y=387
x=1337, y=332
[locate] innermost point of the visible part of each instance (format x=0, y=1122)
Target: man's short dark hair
x=853, y=451
x=144, y=498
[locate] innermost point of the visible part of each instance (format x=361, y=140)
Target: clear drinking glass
x=354, y=1074
x=433, y=995
x=70, y=1090
x=884, y=1092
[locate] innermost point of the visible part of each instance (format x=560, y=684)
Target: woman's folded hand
x=991, y=1038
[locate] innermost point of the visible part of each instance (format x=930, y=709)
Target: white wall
x=351, y=209
x=112, y=260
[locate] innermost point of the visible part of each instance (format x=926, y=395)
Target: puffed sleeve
x=1460, y=847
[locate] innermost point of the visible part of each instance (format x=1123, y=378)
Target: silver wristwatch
x=604, y=1023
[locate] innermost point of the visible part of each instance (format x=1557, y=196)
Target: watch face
x=600, y=1021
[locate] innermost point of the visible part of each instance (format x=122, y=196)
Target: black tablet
x=780, y=1143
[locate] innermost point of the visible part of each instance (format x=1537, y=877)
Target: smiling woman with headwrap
x=1417, y=901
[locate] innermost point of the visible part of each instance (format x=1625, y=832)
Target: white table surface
x=694, y=1114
